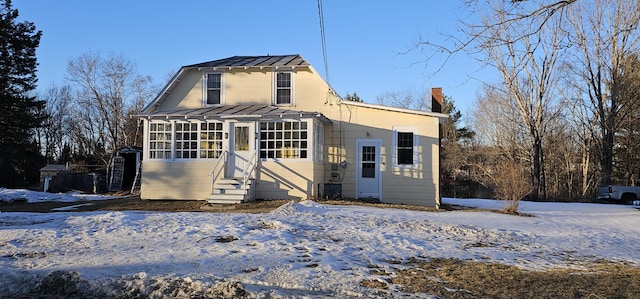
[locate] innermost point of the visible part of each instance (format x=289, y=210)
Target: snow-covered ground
x=10, y=195
x=304, y=249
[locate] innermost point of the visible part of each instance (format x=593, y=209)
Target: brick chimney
x=436, y=99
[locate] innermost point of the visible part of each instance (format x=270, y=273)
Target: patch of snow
x=304, y=249
x=71, y=208
x=11, y=195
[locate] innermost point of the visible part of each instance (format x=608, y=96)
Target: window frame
x=184, y=142
x=205, y=89
x=152, y=150
x=291, y=87
x=170, y=150
x=218, y=143
x=309, y=140
x=396, y=148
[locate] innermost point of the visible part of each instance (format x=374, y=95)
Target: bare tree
x=604, y=33
x=511, y=183
x=103, y=86
x=408, y=99
x=502, y=136
x=108, y=92
x=53, y=135
x=469, y=37
x=527, y=64
x=582, y=126
x=142, y=90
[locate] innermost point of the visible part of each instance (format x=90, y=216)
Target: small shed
x=50, y=171
x=124, y=169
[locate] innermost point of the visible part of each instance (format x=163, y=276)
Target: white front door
x=241, y=147
x=368, y=175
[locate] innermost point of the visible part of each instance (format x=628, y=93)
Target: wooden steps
x=231, y=191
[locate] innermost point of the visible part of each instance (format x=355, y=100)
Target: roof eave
x=441, y=116
x=171, y=85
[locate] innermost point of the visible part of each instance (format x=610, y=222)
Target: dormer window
x=213, y=92
x=283, y=84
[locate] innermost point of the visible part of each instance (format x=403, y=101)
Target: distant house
x=269, y=127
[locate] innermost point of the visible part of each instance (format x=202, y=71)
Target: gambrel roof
x=255, y=61
x=293, y=61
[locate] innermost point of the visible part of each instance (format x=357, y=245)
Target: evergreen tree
x=454, y=147
x=19, y=156
x=352, y=98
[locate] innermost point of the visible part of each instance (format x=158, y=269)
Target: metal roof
x=237, y=112
x=54, y=167
x=256, y=61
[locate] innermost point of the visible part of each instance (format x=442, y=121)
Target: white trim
x=173, y=122
x=378, y=145
x=317, y=142
x=204, y=89
x=440, y=116
x=168, y=88
x=147, y=149
x=145, y=139
x=394, y=147
x=310, y=140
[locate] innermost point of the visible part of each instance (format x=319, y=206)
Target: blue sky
x=364, y=39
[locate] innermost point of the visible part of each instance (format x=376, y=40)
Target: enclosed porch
x=233, y=154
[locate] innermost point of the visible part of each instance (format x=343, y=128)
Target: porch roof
x=265, y=112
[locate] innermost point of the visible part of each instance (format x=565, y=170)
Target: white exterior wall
x=188, y=180
x=400, y=184
x=288, y=180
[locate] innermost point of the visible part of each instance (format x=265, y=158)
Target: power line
x=324, y=42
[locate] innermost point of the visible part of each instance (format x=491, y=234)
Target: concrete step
x=234, y=181
x=226, y=198
x=227, y=185
x=218, y=191
x=223, y=201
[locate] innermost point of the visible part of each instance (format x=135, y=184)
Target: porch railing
x=249, y=170
x=222, y=158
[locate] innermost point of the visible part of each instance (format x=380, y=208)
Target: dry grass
x=445, y=278
x=454, y=278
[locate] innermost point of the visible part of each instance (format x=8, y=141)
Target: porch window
x=284, y=140
x=283, y=88
x=318, y=142
x=213, y=91
x=160, y=140
x=186, y=140
x=183, y=140
x=210, y=140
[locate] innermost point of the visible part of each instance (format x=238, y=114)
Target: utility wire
x=324, y=42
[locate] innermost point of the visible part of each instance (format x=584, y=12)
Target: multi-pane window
x=283, y=140
x=283, y=88
x=368, y=161
x=186, y=140
x=214, y=89
x=160, y=140
x=405, y=148
x=318, y=142
x=210, y=140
